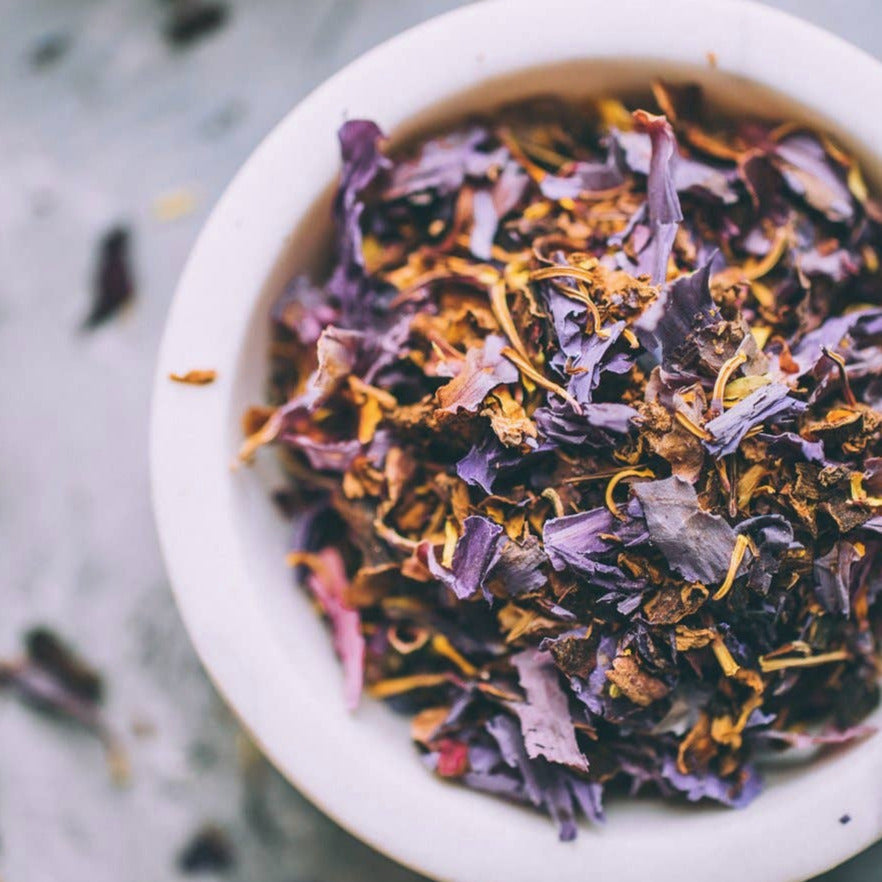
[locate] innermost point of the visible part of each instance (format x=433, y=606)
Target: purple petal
x=520, y=566
x=484, y=224
x=568, y=539
x=484, y=369
x=511, y=743
x=443, y=165
x=490, y=206
x=837, y=265
x=545, y=715
x=592, y=691
x=790, y=442
x=760, y=406
x=805, y=740
x=362, y=164
x=338, y=352
x=683, y=307
x=696, y=543
x=710, y=786
x=589, y=798
x=665, y=214
x=831, y=334
x=832, y=573
x=597, y=424
x=689, y=175
x=331, y=456
x=303, y=310
x=585, y=178
x=480, y=466
x=329, y=587
x=585, y=362
x=809, y=172
x=476, y=553
x=772, y=536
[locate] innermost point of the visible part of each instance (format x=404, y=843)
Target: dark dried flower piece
x=113, y=286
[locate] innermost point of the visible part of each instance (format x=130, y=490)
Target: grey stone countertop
x=102, y=122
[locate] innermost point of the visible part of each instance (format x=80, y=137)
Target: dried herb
x=584, y=441
x=52, y=678
x=195, y=377
x=191, y=20
x=49, y=50
x=113, y=287
x=210, y=850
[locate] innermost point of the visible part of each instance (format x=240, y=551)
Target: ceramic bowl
x=224, y=543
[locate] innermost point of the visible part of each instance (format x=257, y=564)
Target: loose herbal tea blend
x=583, y=432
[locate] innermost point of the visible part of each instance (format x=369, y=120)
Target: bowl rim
x=189, y=458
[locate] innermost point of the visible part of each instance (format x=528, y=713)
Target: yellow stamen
x=758, y=269
x=692, y=427
x=799, y=646
x=859, y=494
x=444, y=647
x=552, y=496
x=761, y=334
x=839, y=361
x=614, y=114
x=768, y=665
x=856, y=184
x=536, y=172
x=499, y=305
x=543, y=153
x=593, y=311
x=596, y=476
x=531, y=373
x=742, y=543
x=563, y=272
x=740, y=388
x=451, y=536
x=384, y=398
x=729, y=367
x=311, y=560
x=724, y=657
x=264, y=435
x=615, y=480
x=522, y=626
x=631, y=338
x=400, y=685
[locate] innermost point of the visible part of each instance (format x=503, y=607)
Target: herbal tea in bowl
x=573, y=393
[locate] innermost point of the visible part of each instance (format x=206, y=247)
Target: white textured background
x=88, y=142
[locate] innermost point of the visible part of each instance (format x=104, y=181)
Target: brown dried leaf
x=634, y=683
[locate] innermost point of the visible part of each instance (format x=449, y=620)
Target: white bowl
x=223, y=542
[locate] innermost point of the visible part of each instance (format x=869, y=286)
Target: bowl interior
x=357, y=759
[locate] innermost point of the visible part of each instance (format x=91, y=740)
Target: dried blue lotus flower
x=584, y=440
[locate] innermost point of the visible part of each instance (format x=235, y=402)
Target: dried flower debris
x=113, y=285
x=195, y=377
x=585, y=445
x=52, y=678
x=209, y=850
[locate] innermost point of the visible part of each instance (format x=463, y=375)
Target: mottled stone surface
x=99, y=119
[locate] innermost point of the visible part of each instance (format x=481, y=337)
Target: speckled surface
x=95, y=137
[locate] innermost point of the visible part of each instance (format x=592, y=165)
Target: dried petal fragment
x=545, y=717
